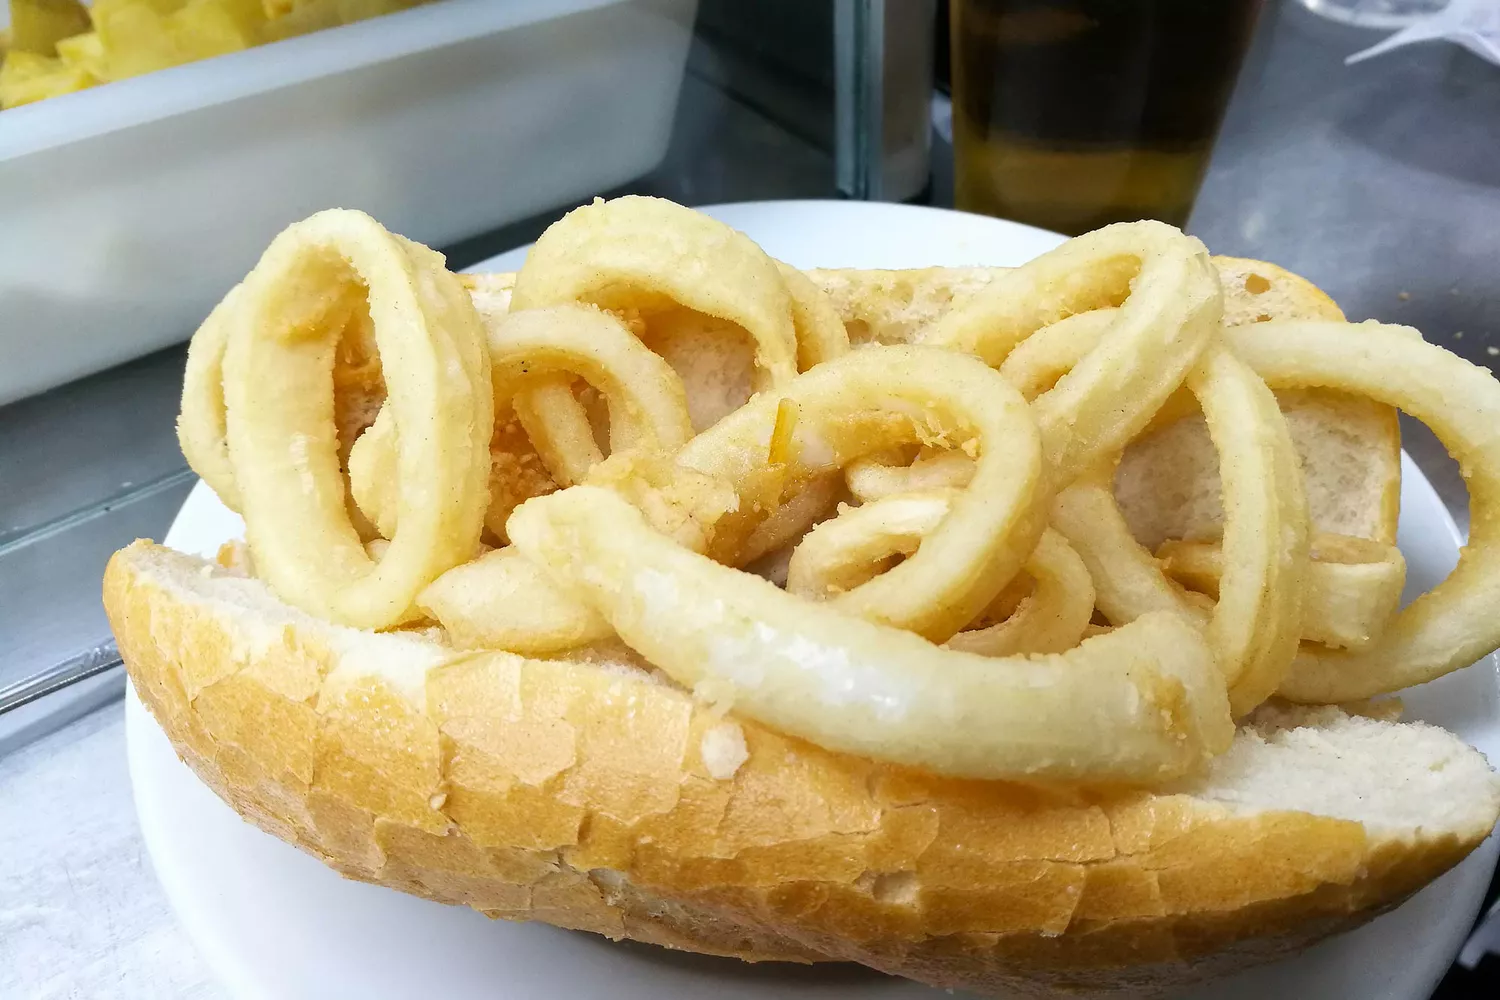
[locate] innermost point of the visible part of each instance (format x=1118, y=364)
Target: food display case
x=449, y=120
x=135, y=194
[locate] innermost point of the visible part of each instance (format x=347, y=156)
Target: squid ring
x=1141, y=704
x=1053, y=618
x=1256, y=625
x=1353, y=584
x=1169, y=307
x=880, y=397
x=201, y=422
x=1455, y=623
x=644, y=395
x=283, y=445
x=848, y=550
x=625, y=251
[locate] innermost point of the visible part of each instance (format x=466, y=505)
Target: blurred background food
x=60, y=46
x=447, y=120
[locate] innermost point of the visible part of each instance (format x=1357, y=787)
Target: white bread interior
x=1168, y=481
x=589, y=794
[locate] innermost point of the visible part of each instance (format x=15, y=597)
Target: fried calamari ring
x=881, y=397
x=820, y=332
x=502, y=600
x=1256, y=625
x=1128, y=583
x=1036, y=363
x=647, y=408
x=1052, y=618
x=558, y=427
x=1353, y=585
x=283, y=445
x=1169, y=306
x=845, y=552
x=856, y=546
x=1455, y=623
x=646, y=403
x=1257, y=622
x=638, y=252
x=872, y=478
x=201, y=421
x=648, y=255
x=1140, y=705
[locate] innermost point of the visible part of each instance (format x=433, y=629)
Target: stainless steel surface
x=75, y=669
x=49, y=575
x=883, y=87
x=1381, y=182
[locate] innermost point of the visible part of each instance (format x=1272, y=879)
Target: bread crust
x=581, y=795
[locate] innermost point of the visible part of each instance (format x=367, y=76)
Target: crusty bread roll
x=586, y=793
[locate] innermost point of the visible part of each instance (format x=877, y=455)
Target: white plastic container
x=127, y=210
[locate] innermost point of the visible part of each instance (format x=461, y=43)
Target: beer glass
x=1071, y=114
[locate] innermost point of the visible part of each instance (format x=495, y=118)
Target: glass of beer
x=1072, y=114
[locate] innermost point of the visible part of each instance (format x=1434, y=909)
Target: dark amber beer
x=1071, y=114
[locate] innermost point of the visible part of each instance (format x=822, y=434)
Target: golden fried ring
x=1047, y=355
x=503, y=601
x=1455, y=623
x=633, y=250
x=201, y=421
x=843, y=553
x=201, y=424
x=1169, y=305
x=1128, y=583
x=645, y=398
x=820, y=332
x=558, y=427
x=1352, y=588
x=1052, y=618
x=283, y=445
x=851, y=549
x=880, y=397
x=1257, y=622
x=1036, y=363
x=1142, y=704
x=647, y=406
x=870, y=479
x=636, y=251
x=1256, y=625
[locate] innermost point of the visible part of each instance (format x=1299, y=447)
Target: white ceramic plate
x=274, y=923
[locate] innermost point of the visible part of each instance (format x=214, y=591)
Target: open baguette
x=588, y=794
